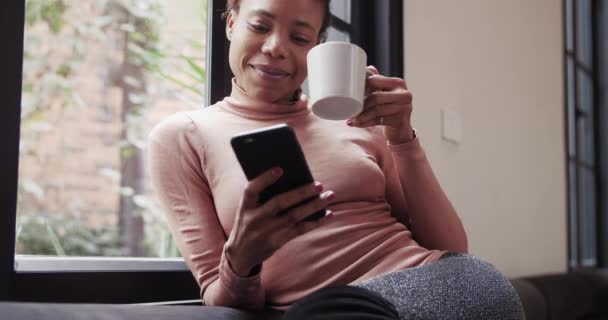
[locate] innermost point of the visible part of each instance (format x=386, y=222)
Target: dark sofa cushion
x=598, y=281
x=63, y=311
x=568, y=296
x=531, y=298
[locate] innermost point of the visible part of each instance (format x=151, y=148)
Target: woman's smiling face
x=269, y=41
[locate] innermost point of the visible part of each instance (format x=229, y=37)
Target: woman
x=387, y=213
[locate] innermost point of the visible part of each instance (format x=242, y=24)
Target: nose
x=274, y=46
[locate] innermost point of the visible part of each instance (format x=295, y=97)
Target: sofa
x=575, y=295
x=569, y=296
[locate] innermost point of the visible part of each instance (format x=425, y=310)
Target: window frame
x=131, y=280
x=578, y=221
x=11, y=31
x=383, y=43
x=601, y=59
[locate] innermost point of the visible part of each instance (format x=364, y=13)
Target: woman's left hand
x=388, y=103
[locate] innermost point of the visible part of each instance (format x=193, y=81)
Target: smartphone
x=275, y=146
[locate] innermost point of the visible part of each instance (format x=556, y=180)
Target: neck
x=287, y=100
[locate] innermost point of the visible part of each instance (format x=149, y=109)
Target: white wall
x=497, y=65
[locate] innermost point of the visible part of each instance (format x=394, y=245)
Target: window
x=83, y=83
x=97, y=75
x=584, y=126
x=341, y=29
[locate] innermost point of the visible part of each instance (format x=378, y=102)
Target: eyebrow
x=298, y=23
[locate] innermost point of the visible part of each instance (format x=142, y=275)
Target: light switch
x=451, y=126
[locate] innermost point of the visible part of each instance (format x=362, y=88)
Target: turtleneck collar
x=247, y=106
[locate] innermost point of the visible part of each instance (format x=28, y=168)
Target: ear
x=230, y=20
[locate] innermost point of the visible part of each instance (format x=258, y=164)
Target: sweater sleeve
x=176, y=161
x=418, y=200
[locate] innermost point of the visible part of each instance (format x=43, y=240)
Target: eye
x=258, y=27
x=301, y=40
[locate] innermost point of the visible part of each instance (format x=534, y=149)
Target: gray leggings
x=457, y=286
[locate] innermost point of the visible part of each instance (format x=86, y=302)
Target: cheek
x=239, y=52
x=233, y=58
x=302, y=68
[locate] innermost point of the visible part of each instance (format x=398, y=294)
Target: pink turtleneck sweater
x=383, y=193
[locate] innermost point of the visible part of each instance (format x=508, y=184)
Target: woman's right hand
x=261, y=229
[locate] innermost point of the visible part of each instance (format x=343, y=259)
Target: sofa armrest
x=575, y=295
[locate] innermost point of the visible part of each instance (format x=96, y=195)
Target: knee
x=345, y=302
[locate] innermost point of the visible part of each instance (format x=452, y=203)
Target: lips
x=270, y=72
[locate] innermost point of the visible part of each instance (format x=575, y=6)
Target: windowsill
x=24, y=263
x=197, y=302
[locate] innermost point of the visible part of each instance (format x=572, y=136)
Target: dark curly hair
x=234, y=5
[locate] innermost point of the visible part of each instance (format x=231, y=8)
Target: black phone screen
x=276, y=146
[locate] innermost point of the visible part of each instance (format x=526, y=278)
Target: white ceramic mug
x=336, y=80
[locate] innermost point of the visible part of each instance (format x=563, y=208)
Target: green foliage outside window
x=49, y=84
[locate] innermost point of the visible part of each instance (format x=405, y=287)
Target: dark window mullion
x=597, y=106
x=219, y=75
x=571, y=142
x=378, y=29
x=579, y=200
x=341, y=25
x=591, y=182
x=572, y=222
x=11, y=63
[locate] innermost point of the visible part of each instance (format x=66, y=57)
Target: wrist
x=238, y=267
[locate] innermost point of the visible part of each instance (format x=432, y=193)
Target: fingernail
x=318, y=187
x=277, y=171
x=331, y=196
x=329, y=214
x=349, y=123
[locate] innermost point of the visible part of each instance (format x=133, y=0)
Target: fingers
x=295, y=223
x=369, y=71
x=296, y=215
x=381, y=90
x=372, y=69
x=287, y=200
x=376, y=81
x=258, y=184
x=385, y=97
x=384, y=115
x=383, y=105
x=382, y=83
x=292, y=223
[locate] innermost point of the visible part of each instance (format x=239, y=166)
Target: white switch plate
x=451, y=126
